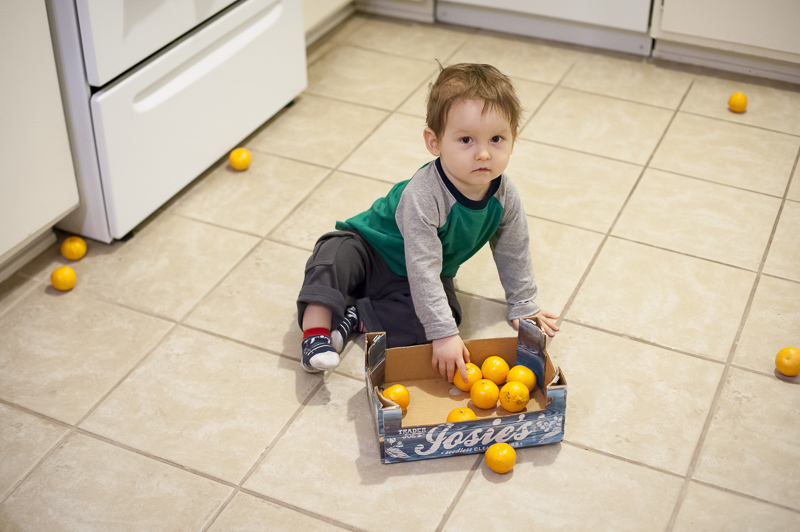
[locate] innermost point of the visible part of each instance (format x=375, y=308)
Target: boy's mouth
x=482, y=170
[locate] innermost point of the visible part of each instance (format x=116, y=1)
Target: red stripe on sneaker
x=318, y=330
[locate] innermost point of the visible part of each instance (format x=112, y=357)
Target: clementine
x=495, y=369
x=484, y=394
x=788, y=361
x=239, y=159
x=399, y=394
x=522, y=374
x=461, y=414
x=63, y=278
x=473, y=376
x=73, y=248
x=514, y=396
x=737, y=102
x=500, y=457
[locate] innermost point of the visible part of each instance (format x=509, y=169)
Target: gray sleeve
x=511, y=250
x=421, y=211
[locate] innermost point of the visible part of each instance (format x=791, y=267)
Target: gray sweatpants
x=344, y=266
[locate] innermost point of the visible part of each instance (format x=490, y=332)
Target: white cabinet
x=621, y=25
x=760, y=38
x=38, y=180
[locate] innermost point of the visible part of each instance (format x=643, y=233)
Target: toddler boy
x=397, y=260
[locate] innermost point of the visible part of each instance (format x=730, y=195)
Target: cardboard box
x=421, y=432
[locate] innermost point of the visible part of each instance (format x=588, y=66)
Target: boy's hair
x=469, y=81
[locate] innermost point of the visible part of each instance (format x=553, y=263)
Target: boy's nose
x=482, y=154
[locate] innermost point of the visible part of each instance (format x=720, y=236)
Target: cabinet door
x=768, y=24
x=37, y=184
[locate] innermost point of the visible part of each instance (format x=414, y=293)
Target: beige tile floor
x=164, y=392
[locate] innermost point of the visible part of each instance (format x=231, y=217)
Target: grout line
x=35, y=283
x=285, y=157
x=683, y=253
x=334, y=170
x=744, y=495
x=74, y=428
x=264, y=453
x=35, y=467
x=595, y=450
x=575, y=150
x=712, y=182
x=127, y=374
x=754, y=126
x=643, y=341
x=145, y=454
x=348, y=102
x=620, y=99
x=300, y=510
x=773, y=276
x=231, y=339
x=215, y=225
x=729, y=363
x=592, y=262
x=221, y=280
x=474, y=469
x=553, y=89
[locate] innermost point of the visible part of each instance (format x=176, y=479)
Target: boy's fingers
x=462, y=367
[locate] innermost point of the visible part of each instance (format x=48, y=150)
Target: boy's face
x=475, y=147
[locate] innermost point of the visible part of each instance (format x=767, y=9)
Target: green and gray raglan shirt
x=425, y=228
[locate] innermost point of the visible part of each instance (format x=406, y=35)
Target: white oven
x=156, y=91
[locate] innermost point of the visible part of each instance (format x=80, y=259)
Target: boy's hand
x=548, y=321
x=450, y=354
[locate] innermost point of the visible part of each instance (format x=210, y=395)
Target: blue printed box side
x=467, y=437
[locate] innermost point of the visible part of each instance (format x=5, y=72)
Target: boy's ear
x=431, y=142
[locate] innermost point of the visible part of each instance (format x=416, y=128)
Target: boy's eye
x=497, y=138
x=465, y=140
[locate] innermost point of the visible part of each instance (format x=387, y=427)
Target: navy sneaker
x=319, y=354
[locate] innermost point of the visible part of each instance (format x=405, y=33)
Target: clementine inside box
x=422, y=432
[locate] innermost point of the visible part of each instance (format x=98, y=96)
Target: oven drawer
x=162, y=125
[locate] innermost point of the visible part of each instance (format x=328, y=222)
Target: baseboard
x=15, y=260
x=416, y=10
x=730, y=61
x=545, y=28
x=330, y=22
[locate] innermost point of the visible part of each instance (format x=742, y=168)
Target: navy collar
x=461, y=198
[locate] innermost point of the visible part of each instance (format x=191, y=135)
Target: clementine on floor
x=737, y=102
x=63, y=278
x=239, y=159
x=73, y=248
x=500, y=457
x=788, y=361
